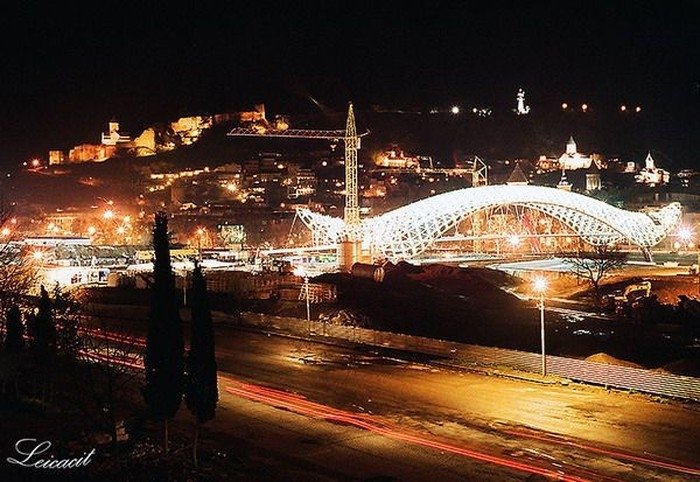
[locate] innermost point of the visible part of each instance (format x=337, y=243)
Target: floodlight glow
x=685, y=234
x=540, y=285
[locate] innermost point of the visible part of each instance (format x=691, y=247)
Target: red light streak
x=656, y=462
x=300, y=405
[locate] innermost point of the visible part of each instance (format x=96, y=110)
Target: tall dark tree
x=164, y=358
x=44, y=330
x=202, y=392
x=14, y=341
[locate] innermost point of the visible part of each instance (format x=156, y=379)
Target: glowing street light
x=514, y=240
x=584, y=107
x=108, y=214
x=564, y=106
x=638, y=109
x=540, y=286
x=299, y=271
x=685, y=234
x=91, y=230
x=200, y=232
x=623, y=108
x=454, y=110
x=685, y=238
x=5, y=232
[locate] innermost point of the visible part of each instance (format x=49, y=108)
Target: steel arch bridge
x=408, y=231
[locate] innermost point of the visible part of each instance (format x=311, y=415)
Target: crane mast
x=352, y=145
x=350, y=248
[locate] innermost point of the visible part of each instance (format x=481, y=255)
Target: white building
x=652, y=175
x=572, y=159
x=113, y=137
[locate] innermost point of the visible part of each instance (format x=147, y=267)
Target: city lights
x=623, y=108
x=455, y=109
x=108, y=214
x=564, y=106
x=584, y=107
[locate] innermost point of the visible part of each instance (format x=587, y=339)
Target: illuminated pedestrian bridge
x=501, y=217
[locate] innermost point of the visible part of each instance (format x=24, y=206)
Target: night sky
x=67, y=69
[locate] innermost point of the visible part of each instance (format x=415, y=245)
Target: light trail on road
x=303, y=406
x=670, y=464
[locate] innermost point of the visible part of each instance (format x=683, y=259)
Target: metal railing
x=614, y=376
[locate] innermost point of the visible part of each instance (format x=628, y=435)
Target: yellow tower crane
x=349, y=250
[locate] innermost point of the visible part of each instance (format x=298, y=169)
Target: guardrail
x=621, y=377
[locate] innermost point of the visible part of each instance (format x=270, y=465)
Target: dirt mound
x=476, y=276
x=460, y=304
x=689, y=367
x=611, y=360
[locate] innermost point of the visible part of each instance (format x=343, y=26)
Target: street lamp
x=200, y=233
x=685, y=236
x=540, y=285
x=303, y=274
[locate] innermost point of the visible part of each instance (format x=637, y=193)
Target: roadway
x=300, y=410
x=356, y=414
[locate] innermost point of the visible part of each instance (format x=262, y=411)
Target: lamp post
x=540, y=286
x=303, y=274
x=200, y=233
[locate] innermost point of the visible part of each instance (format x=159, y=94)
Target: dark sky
x=66, y=69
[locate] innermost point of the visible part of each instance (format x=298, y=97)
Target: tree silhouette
x=596, y=265
x=14, y=341
x=44, y=329
x=201, y=394
x=164, y=345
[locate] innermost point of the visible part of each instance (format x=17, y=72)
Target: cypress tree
x=164, y=345
x=14, y=341
x=201, y=394
x=45, y=331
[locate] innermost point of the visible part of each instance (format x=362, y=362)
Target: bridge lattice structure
x=406, y=232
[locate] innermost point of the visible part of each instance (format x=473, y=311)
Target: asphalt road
x=347, y=414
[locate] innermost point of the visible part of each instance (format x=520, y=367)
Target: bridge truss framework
x=406, y=232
